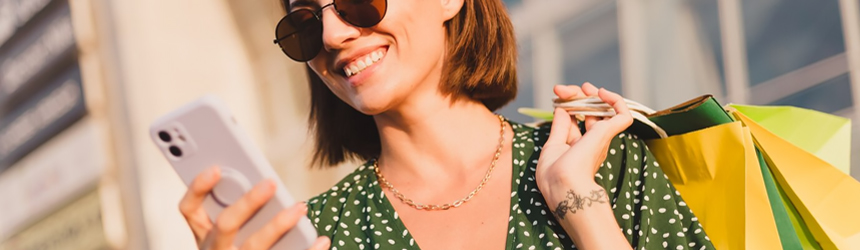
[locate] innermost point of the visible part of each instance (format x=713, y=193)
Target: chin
x=370, y=106
x=376, y=97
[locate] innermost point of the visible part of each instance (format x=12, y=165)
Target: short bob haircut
x=481, y=65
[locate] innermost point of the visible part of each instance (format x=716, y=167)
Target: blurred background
x=81, y=80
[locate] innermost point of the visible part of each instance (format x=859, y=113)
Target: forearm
x=584, y=211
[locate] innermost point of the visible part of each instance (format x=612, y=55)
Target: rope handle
x=593, y=106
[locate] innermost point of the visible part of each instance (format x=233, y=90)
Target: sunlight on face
x=374, y=69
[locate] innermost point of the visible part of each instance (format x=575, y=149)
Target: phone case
x=203, y=134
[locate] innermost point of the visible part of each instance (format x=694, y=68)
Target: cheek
x=330, y=80
x=318, y=65
x=419, y=39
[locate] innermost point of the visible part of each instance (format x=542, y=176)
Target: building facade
x=81, y=80
x=661, y=53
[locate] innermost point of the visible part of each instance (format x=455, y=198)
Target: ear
x=450, y=8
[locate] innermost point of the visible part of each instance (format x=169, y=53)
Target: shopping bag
x=804, y=235
x=792, y=232
x=698, y=113
x=812, y=131
x=826, y=136
x=716, y=171
x=711, y=161
x=825, y=197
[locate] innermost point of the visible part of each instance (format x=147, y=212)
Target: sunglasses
x=299, y=34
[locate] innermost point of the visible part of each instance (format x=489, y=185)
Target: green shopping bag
x=793, y=233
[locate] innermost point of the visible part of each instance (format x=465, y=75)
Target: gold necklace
x=456, y=203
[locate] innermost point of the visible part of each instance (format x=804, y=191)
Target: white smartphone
x=203, y=134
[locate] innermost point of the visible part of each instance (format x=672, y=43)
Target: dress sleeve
x=316, y=206
x=650, y=212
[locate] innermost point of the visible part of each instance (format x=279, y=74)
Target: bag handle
x=593, y=106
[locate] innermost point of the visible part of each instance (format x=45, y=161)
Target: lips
x=362, y=63
x=355, y=63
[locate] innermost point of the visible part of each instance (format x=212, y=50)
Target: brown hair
x=481, y=66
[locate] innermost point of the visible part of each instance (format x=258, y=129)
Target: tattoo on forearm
x=575, y=202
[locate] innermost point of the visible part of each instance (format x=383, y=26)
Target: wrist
x=576, y=197
x=556, y=187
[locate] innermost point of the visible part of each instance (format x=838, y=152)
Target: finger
x=556, y=144
x=590, y=121
x=615, y=100
x=561, y=123
x=567, y=92
x=272, y=232
x=622, y=119
x=589, y=89
x=574, y=134
x=235, y=215
x=600, y=133
x=322, y=243
x=191, y=204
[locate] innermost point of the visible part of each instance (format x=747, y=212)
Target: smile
x=362, y=63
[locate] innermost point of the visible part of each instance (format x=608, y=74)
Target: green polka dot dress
x=356, y=214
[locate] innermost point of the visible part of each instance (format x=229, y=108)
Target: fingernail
x=266, y=184
x=213, y=172
x=326, y=243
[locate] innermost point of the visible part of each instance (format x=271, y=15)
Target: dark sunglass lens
x=362, y=13
x=299, y=35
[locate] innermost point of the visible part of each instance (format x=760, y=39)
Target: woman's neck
x=432, y=138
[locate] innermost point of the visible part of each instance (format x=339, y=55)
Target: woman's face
x=405, y=50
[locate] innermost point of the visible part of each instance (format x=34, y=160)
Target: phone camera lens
x=175, y=151
x=164, y=136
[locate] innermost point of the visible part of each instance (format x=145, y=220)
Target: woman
x=409, y=86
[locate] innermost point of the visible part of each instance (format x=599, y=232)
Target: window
x=784, y=35
x=830, y=96
x=590, y=48
x=707, y=17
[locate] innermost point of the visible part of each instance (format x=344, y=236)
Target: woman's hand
x=570, y=158
x=222, y=233
x=567, y=165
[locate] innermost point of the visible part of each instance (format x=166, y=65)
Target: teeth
x=362, y=63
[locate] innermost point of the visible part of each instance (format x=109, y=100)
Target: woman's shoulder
x=353, y=184
x=353, y=213
x=347, y=206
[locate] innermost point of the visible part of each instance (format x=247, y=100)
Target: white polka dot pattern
x=355, y=213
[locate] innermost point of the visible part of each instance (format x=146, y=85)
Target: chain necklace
x=456, y=203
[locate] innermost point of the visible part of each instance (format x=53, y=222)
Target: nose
x=336, y=32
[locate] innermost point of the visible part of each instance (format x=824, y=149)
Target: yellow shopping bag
x=826, y=198
x=824, y=135
x=712, y=160
x=717, y=172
